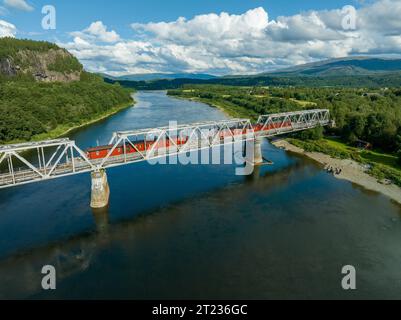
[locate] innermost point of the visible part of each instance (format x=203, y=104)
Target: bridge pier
x=258, y=157
x=61, y=157
x=253, y=151
x=100, y=190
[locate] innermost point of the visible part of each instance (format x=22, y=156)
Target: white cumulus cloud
x=97, y=31
x=246, y=43
x=209, y=27
x=7, y=29
x=18, y=4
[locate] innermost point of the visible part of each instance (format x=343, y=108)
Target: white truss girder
x=293, y=121
x=61, y=157
x=55, y=158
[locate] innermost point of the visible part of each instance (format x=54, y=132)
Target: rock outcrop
x=54, y=65
x=7, y=67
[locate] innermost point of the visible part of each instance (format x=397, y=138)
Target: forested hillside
x=37, y=60
x=334, y=80
x=371, y=115
x=345, y=72
x=31, y=107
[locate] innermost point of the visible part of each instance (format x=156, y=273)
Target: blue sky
x=73, y=15
x=215, y=36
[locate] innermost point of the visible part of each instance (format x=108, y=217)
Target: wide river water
x=198, y=231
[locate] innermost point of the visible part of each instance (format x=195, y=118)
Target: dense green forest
x=372, y=115
x=33, y=109
x=65, y=65
x=29, y=108
x=379, y=80
x=367, y=114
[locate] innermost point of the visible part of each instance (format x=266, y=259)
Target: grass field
x=368, y=155
x=304, y=104
x=383, y=165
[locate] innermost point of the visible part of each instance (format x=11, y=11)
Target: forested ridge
x=371, y=115
x=36, y=109
x=25, y=58
x=9, y=47
x=379, y=80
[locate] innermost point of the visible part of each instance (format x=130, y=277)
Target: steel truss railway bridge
x=39, y=161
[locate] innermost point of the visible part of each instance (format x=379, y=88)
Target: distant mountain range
x=161, y=76
x=341, y=67
x=345, y=72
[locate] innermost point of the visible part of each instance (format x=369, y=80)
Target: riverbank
x=350, y=170
x=108, y=114
x=229, y=111
x=64, y=130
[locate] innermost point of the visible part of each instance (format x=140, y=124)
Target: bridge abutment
x=100, y=190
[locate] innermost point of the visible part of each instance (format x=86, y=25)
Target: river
x=198, y=231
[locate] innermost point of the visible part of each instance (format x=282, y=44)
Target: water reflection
x=21, y=275
x=198, y=231
x=250, y=223
x=101, y=219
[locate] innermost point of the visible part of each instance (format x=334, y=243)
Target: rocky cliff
x=47, y=63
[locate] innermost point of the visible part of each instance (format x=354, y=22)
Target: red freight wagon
x=102, y=151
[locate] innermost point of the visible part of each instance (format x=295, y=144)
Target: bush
x=66, y=64
x=311, y=134
x=382, y=172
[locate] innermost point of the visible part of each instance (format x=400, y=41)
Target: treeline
x=246, y=100
x=66, y=64
x=9, y=47
x=379, y=80
x=29, y=108
x=372, y=115
x=24, y=53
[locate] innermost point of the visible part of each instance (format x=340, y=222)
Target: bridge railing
x=35, y=161
x=171, y=140
x=281, y=123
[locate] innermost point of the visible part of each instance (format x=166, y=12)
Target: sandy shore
x=351, y=171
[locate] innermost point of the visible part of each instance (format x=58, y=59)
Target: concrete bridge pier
x=253, y=151
x=100, y=190
x=258, y=157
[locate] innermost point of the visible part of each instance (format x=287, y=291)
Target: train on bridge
x=44, y=160
x=102, y=152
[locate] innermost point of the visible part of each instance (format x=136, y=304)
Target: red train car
x=102, y=151
x=141, y=146
x=277, y=125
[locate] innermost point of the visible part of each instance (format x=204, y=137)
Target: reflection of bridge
x=60, y=158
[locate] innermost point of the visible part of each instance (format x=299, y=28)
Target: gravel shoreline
x=350, y=170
